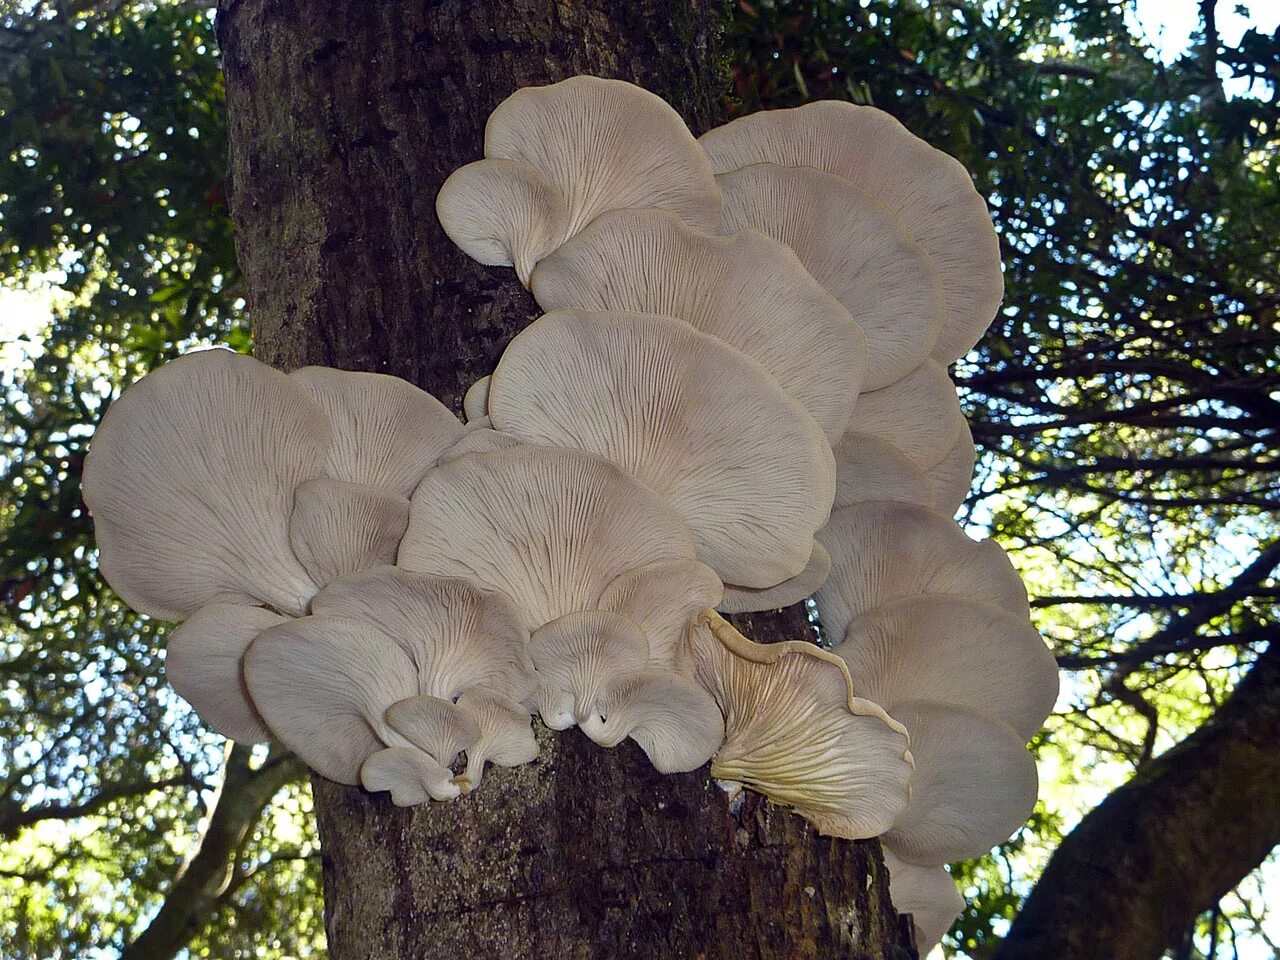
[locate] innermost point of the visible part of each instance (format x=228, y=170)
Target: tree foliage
x=1126, y=404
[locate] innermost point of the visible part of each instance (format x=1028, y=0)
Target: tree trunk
x=344, y=121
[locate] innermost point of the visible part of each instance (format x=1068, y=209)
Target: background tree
x=1123, y=404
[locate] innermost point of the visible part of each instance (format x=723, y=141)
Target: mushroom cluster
x=736, y=399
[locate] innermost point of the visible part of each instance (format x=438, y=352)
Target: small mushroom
x=506, y=738
x=919, y=415
x=674, y=721
x=856, y=248
x=411, y=776
x=203, y=663
x=743, y=464
x=748, y=290
x=929, y=192
x=585, y=653
x=664, y=598
x=190, y=479
x=789, y=591
x=928, y=894
x=439, y=728
x=337, y=528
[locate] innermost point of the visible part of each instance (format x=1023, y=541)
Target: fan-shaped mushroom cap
x=475, y=402
x=952, y=477
x=868, y=468
x=323, y=685
x=796, y=732
x=437, y=727
x=386, y=432
x=587, y=652
x=962, y=652
x=664, y=598
x=742, y=463
x=748, y=290
x=506, y=737
x=928, y=894
x=784, y=594
x=929, y=192
x=203, y=661
x=190, y=479
x=975, y=784
x=457, y=635
x=606, y=145
x=338, y=528
x=676, y=722
x=549, y=528
x=479, y=440
x=883, y=551
x=919, y=415
x=856, y=248
x=502, y=213
x=410, y=775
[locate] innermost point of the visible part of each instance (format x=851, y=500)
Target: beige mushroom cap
x=796, y=732
x=478, y=440
x=792, y=590
x=743, y=464
x=664, y=598
x=203, y=663
x=674, y=721
x=386, y=432
x=883, y=551
x=928, y=894
x=411, y=776
x=919, y=415
x=929, y=192
x=975, y=784
x=868, y=468
x=548, y=528
x=506, y=737
x=337, y=528
x=457, y=635
x=951, y=478
x=606, y=145
x=962, y=652
x=437, y=727
x=475, y=402
x=748, y=290
x=190, y=479
x=856, y=248
x=585, y=653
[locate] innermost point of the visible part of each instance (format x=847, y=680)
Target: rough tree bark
x=344, y=120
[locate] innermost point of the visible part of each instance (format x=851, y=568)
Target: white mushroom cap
x=748, y=290
x=930, y=193
x=796, y=732
x=784, y=594
x=386, y=432
x=882, y=551
x=475, y=402
x=856, y=248
x=338, y=528
x=502, y=213
x=506, y=737
x=323, y=685
x=919, y=415
x=437, y=727
x=478, y=440
x=585, y=653
x=928, y=894
x=410, y=775
x=606, y=145
x=868, y=468
x=457, y=635
x=190, y=479
x=675, y=721
x=664, y=598
x=975, y=784
x=742, y=463
x=203, y=663
x=952, y=477
x=548, y=528
x=553, y=705
x=966, y=653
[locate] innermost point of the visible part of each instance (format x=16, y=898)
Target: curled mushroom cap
x=742, y=463
x=548, y=528
x=323, y=685
x=928, y=894
x=338, y=528
x=203, y=663
x=457, y=635
x=748, y=290
x=868, y=468
x=437, y=727
x=929, y=192
x=386, y=432
x=475, y=402
x=586, y=652
x=792, y=590
x=919, y=415
x=975, y=784
x=675, y=721
x=952, y=477
x=882, y=551
x=505, y=735
x=856, y=248
x=606, y=145
x=190, y=479
x=411, y=776
x=796, y=732
x=664, y=598
x=956, y=651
